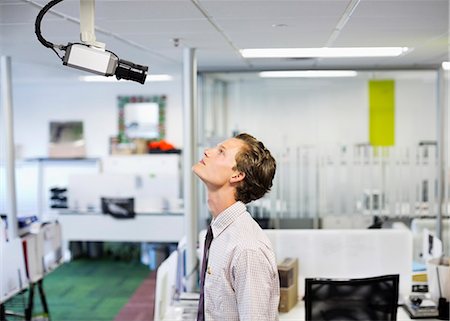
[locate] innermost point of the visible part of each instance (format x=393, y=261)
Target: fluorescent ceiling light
x=308, y=73
x=150, y=78
x=446, y=65
x=324, y=52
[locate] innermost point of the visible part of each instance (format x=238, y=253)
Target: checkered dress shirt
x=241, y=282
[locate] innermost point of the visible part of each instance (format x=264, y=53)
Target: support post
x=442, y=142
x=8, y=134
x=189, y=154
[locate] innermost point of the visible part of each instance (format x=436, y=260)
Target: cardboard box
x=288, y=273
x=288, y=298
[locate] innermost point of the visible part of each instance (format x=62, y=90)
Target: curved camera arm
x=90, y=55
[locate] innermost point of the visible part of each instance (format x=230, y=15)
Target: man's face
x=216, y=166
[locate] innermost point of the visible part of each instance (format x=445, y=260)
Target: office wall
x=37, y=103
x=281, y=112
x=329, y=111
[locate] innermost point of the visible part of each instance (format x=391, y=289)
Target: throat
x=219, y=202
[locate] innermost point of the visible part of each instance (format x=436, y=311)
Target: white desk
x=298, y=314
x=174, y=313
x=142, y=228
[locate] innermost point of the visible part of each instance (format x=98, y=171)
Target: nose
x=206, y=152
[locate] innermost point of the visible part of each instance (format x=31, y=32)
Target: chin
x=197, y=169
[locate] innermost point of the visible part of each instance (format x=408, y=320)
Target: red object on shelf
x=161, y=145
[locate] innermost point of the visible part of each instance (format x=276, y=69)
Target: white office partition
x=56, y=173
x=13, y=276
x=165, y=285
x=346, y=254
x=86, y=190
x=157, y=179
x=27, y=186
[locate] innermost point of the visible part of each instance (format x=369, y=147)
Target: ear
x=237, y=177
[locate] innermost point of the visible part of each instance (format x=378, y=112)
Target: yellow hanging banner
x=382, y=112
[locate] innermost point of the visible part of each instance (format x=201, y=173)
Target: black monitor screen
x=354, y=299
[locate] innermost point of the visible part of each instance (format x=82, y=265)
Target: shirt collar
x=221, y=222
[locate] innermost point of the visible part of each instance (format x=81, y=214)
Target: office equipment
x=118, y=207
x=353, y=299
x=25, y=223
x=90, y=55
x=420, y=306
x=288, y=274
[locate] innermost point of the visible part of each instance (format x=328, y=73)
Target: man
x=241, y=279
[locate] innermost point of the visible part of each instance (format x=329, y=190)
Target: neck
x=219, y=200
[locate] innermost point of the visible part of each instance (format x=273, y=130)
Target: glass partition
x=320, y=131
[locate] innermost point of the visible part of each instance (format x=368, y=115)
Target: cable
x=89, y=58
x=37, y=29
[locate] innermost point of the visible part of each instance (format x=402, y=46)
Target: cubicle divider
x=342, y=254
x=166, y=280
x=345, y=253
x=25, y=261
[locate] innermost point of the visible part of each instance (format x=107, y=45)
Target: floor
x=140, y=307
x=94, y=290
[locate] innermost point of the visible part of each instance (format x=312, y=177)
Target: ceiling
x=144, y=31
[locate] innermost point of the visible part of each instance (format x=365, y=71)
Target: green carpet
x=91, y=290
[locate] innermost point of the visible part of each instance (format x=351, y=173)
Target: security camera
x=102, y=62
x=91, y=55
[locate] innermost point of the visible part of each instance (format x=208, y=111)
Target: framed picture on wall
x=141, y=117
x=66, y=139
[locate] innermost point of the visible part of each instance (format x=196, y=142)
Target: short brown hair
x=258, y=165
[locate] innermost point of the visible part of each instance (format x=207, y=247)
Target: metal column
x=189, y=155
x=441, y=135
x=7, y=133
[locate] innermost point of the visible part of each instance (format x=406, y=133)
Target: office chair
x=365, y=299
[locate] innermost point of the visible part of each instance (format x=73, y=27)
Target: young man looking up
x=239, y=280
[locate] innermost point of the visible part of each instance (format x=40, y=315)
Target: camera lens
x=130, y=71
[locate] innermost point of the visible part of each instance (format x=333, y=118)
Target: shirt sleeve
x=253, y=279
